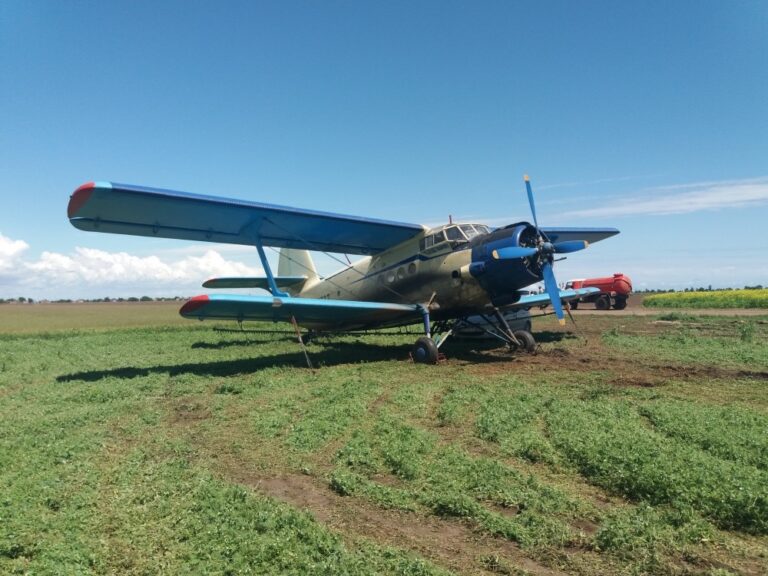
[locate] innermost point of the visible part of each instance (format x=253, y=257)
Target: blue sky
x=650, y=117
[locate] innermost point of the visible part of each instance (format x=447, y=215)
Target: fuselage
x=450, y=267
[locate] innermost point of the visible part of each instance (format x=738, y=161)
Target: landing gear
x=526, y=340
x=425, y=351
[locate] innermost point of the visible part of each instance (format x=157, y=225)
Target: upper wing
x=309, y=312
x=126, y=209
x=543, y=298
x=591, y=235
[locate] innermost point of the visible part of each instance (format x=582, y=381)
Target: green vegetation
x=182, y=449
x=747, y=298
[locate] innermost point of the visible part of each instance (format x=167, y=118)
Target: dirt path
x=635, y=308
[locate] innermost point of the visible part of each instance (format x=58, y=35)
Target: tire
x=620, y=303
x=574, y=304
x=526, y=339
x=603, y=303
x=425, y=351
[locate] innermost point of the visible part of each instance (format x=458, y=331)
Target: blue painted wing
x=293, y=282
x=126, y=209
x=309, y=312
x=542, y=299
x=591, y=235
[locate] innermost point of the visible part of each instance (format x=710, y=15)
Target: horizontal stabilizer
x=283, y=282
x=315, y=313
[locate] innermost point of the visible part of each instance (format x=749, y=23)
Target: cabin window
x=432, y=239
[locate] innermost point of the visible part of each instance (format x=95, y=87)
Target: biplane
x=408, y=273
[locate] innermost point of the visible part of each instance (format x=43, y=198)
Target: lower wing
x=543, y=298
x=309, y=312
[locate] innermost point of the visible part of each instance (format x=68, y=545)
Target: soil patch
x=447, y=542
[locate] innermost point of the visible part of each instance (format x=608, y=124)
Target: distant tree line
x=692, y=289
x=24, y=300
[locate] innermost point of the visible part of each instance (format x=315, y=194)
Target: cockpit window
x=454, y=233
x=460, y=233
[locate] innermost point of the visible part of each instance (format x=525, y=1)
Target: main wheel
x=620, y=303
x=425, y=351
x=526, y=339
x=603, y=303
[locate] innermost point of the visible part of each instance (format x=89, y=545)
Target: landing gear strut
x=426, y=349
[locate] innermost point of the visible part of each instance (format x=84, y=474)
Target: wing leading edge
x=139, y=211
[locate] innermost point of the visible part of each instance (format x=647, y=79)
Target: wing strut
x=276, y=292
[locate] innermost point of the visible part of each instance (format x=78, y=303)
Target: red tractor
x=614, y=291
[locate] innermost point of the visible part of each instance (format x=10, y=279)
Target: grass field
x=709, y=299
x=638, y=447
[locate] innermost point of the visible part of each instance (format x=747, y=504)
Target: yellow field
x=717, y=299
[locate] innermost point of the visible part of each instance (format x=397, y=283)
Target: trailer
x=614, y=291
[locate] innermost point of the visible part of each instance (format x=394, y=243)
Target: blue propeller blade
x=570, y=246
x=531, y=202
x=511, y=252
x=554, y=292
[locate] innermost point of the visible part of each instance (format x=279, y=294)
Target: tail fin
x=296, y=263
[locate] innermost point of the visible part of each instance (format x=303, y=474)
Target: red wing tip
x=79, y=197
x=193, y=304
x=86, y=186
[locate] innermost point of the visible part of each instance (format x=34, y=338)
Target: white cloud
x=10, y=250
x=684, y=199
x=87, y=272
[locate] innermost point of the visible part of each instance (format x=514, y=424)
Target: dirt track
x=635, y=308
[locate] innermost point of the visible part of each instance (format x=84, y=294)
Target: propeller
x=544, y=250
x=512, y=252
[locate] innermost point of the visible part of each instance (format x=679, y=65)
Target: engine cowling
x=502, y=279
